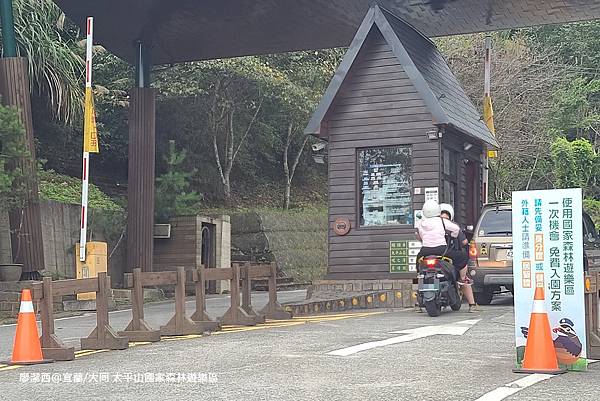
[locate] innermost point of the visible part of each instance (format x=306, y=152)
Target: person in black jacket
x=460, y=246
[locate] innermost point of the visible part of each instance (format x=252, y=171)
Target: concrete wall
x=297, y=241
x=60, y=233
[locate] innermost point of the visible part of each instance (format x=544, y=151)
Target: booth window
x=449, y=176
x=385, y=182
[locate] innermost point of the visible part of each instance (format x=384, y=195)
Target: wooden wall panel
x=140, y=189
x=376, y=106
x=27, y=245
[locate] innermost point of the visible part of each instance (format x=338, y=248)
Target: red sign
x=341, y=226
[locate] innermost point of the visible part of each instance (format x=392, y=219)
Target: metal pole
x=9, y=44
x=486, y=95
x=488, y=66
x=142, y=65
x=86, y=155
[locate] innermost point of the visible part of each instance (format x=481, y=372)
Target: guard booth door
x=473, y=192
x=208, y=256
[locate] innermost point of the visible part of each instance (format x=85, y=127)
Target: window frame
x=358, y=193
x=450, y=177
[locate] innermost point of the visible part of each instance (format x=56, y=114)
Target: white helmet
x=445, y=207
x=431, y=209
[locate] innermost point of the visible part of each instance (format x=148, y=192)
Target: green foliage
x=66, y=189
x=49, y=41
x=592, y=207
x=12, y=147
x=575, y=165
x=577, y=108
x=577, y=99
x=113, y=79
x=286, y=86
x=173, y=197
x=575, y=44
x=107, y=225
x=522, y=77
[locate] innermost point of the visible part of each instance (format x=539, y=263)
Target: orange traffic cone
x=27, y=349
x=540, y=355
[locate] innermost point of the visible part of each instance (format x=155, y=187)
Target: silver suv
x=491, y=250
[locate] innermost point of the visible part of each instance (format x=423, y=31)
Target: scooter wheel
x=433, y=308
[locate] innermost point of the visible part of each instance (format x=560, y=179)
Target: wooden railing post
x=103, y=336
x=247, y=294
x=236, y=315
x=180, y=324
x=200, y=316
x=138, y=329
x=592, y=302
x=273, y=309
x=52, y=346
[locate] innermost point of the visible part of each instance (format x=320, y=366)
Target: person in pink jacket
x=433, y=232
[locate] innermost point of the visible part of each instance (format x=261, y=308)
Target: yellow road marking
x=294, y=322
x=90, y=352
x=12, y=367
x=240, y=328
x=350, y=314
x=136, y=343
x=186, y=337
x=326, y=317
x=251, y=328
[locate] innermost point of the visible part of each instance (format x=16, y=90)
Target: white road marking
x=514, y=387
x=453, y=329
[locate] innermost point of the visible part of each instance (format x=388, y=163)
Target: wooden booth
x=399, y=128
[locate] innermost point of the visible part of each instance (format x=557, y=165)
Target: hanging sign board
x=548, y=251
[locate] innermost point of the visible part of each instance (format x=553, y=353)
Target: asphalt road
x=292, y=361
x=71, y=329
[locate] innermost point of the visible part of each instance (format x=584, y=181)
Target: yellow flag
x=90, y=134
x=488, y=113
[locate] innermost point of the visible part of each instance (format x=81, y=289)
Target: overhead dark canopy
x=185, y=30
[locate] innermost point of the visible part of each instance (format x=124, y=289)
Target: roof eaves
x=488, y=138
x=417, y=79
x=314, y=125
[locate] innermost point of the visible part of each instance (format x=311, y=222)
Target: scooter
x=437, y=285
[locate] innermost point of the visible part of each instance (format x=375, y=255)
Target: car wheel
x=484, y=297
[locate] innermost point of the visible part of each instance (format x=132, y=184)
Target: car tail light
x=473, y=250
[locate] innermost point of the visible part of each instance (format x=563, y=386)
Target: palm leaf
x=54, y=60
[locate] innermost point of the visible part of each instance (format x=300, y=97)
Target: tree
x=223, y=126
x=288, y=169
x=575, y=165
x=13, y=189
x=231, y=94
x=307, y=74
x=12, y=147
x=523, y=80
x=173, y=197
x=577, y=109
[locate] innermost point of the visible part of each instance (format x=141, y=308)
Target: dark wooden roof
x=185, y=30
x=440, y=90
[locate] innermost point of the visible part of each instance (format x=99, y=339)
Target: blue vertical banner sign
x=548, y=252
